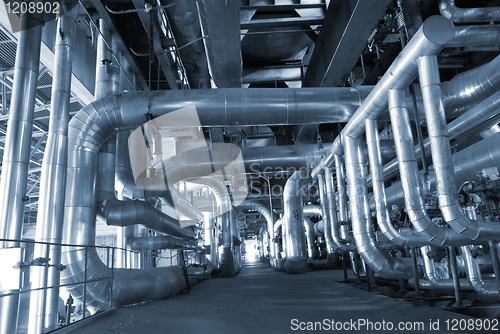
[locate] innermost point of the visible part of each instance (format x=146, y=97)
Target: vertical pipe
x=456, y=280
x=53, y=183
x=325, y=213
x=293, y=226
x=415, y=272
x=496, y=263
x=17, y=150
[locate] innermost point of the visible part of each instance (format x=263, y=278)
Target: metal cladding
x=430, y=39
x=466, y=15
x=293, y=226
x=380, y=262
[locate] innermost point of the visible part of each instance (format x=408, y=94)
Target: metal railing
x=15, y=277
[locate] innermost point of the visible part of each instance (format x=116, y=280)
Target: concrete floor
x=261, y=300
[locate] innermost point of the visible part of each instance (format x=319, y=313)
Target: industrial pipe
x=325, y=214
x=410, y=178
x=161, y=242
x=441, y=156
x=309, y=227
x=16, y=156
x=279, y=260
x=383, y=220
x=127, y=213
x=448, y=9
x=293, y=226
x=381, y=263
x=482, y=287
x=44, y=303
x=342, y=199
x=430, y=39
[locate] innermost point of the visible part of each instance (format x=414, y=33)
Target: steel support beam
x=342, y=39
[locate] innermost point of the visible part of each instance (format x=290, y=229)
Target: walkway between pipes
x=261, y=300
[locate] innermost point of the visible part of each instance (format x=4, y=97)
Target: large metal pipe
x=475, y=35
x=441, y=156
x=342, y=200
x=341, y=240
x=160, y=242
x=468, y=89
x=279, y=259
x=127, y=213
x=410, y=178
x=482, y=287
x=380, y=262
x=383, y=220
x=465, y=15
x=309, y=227
x=44, y=303
x=325, y=214
x=16, y=154
x=472, y=121
x=430, y=39
x=293, y=226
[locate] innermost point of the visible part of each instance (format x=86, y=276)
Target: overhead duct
x=441, y=156
x=293, y=226
x=475, y=35
x=185, y=23
x=464, y=15
x=383, y=220
x=430, y=39
x=381, y=263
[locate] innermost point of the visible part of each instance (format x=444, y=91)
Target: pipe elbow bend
x=296, y=264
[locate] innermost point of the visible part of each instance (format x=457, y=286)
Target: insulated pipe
x=107, y=81
x=472, y=120
x=441, y=156
x=430, y=39
x=279, y=260
x=434, y=280
x=266, y=212
x=16, y=155
x=476, y=35
x=467, y=162
x=448, y=9
x=383, y=220
x=325, y=209
x=293, y=226
x=127, y=213
x=332, y=214
x=468, y=89
x=309, y=227
x=342, y=197
x=487, y=288
x=381, y=263
x=44, y=303
x=160, y=242
x=410, y=178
